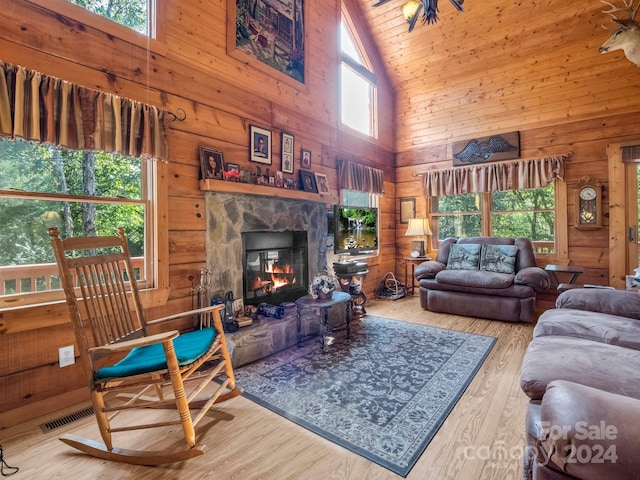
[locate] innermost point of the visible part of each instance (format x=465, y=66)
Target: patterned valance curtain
x=631, y=154
x=493, y=177
x=45, y=109
x=353, y=176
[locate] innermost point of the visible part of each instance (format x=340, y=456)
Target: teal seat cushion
x=189, y=347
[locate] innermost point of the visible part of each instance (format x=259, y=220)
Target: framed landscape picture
x=269, y=36
x=260, y=145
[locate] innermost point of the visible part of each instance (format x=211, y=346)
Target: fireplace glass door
x=275, y=267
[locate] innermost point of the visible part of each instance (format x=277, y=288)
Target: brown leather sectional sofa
x=485, y=290
x=581, y=373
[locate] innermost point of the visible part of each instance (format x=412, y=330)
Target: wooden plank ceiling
x=499, y=66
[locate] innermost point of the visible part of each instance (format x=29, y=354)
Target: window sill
x=26, y=317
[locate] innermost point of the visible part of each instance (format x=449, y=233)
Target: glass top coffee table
x=322, y=306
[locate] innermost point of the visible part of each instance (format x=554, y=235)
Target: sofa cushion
x=474, y=278
x=613, y=302
x=464, y=257
x=498, y=258
x=598, y=365
x=598, y=327
x=496, y=307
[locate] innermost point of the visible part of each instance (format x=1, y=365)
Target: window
x=525, y=213
x=354, y=198
x=135, y=14
x=458, y=216
x=357, y=83
x=515, y=213
x=80, y=192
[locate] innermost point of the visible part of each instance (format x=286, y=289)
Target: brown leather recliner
x=581, y=374
x=478, y=292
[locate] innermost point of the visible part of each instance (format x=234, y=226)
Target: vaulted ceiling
x=498, y=66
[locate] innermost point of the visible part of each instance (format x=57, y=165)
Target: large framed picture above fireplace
x=269, y=36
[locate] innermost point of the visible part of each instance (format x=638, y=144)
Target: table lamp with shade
x=419, y=228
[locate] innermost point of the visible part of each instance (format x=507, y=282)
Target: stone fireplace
x=231, y=217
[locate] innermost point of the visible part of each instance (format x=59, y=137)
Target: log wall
x=498, y=67
x=532, y=67
x=187, y=67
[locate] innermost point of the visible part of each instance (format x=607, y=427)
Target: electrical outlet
x=66, y=356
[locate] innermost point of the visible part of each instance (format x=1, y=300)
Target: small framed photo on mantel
x=211, y=163
x=308, y=181
x=322, y=183
x=260, y=145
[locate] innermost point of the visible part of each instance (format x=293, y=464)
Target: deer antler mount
x=627, y=35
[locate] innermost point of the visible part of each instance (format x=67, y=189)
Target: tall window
x=135, y=14
x=80, y=192
x=514, y=213
x=357, y=83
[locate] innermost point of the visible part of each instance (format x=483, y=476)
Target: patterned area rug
x=383, y=395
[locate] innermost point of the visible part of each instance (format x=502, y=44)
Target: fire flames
x=277, y=278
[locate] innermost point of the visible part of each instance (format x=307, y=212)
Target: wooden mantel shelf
x=222, y=186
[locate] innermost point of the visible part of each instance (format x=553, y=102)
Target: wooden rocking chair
x=100, y=287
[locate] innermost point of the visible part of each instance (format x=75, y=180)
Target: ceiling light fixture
x=411, y=10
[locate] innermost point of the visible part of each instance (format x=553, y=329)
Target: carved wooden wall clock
x=588, y=204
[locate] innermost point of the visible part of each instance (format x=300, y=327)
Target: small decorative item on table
x=233, y=173
x=323, y=286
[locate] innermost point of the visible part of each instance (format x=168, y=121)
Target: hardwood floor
x=482, y=438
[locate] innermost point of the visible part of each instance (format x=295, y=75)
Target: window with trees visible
x=357, y=83
x=83, y=193
x=135, y=14
x=514, y=213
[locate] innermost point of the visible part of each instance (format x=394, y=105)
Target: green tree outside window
x=130, y=13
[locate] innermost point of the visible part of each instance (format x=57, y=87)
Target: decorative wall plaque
x=494, y=148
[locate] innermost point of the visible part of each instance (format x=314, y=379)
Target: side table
x=322, y=306
x=352, y=283
x=413, y=261
x=573, y=270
